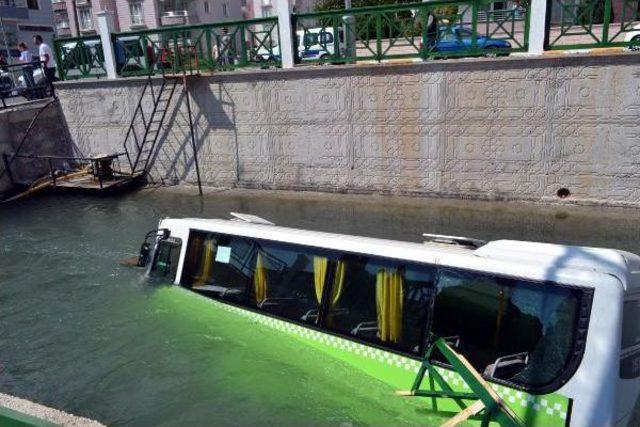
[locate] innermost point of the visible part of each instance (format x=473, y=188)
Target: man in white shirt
x=47, y=57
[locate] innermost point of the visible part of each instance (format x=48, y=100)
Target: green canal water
x=81, y=333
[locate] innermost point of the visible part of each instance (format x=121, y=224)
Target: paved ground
x=45, y=413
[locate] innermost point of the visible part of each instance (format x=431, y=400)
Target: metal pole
x=7, y=167
x=193, y=137
x=349, y=31
x=6, y=44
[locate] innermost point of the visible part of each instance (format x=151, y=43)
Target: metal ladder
x=139, y=149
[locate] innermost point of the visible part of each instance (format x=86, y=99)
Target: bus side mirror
x=143, y=256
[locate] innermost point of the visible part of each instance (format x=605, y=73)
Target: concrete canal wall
x=48, y=136
x=511, y=128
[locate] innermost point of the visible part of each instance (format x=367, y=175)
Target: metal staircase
x=139, y=146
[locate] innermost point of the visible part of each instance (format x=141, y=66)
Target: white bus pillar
x=105, y=27
x=286, y=39
x=538, y=15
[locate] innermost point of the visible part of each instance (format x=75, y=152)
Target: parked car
x=458, y=39
x=633, y=38
x=313, y=43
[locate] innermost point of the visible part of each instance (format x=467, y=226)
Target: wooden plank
x=465, y=414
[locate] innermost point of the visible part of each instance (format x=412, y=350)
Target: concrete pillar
x=286, y=33
x=349, y=30
x=105, y=28
x=538, y=14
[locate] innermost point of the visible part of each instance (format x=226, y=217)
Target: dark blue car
x=458, y=39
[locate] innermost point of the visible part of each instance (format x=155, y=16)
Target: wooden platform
x=92, y=184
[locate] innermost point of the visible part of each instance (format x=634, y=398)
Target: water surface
x=81, y=333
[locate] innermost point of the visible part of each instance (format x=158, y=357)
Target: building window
x=86, y=19
x=266, y=12
x=33, y=4
x=137, y=18
x=206, y=6
x=225, y=11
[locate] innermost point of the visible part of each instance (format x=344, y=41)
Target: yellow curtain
x=206, y=262
x=260, y=280
x=389, y=296
x=320, y=274
x=338, y=283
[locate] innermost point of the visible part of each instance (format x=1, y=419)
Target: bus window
x=165, y=263
x=218, y=265
x=380, y=301
x=512, y=330
x=289, y=280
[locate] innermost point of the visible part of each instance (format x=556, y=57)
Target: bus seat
x=506, y=367
x=365, y=327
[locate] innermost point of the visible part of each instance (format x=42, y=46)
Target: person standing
x=27, y=69
x=46, y=57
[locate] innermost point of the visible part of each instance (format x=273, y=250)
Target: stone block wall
x=512, y=128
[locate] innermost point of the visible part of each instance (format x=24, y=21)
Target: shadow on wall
x=173, y=158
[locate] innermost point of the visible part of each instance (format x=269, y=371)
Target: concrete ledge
x=520, y=61
x=41, y=412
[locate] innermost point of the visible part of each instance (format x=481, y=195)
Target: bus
x=553, y=329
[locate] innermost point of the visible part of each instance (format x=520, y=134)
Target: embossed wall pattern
x=506, y=129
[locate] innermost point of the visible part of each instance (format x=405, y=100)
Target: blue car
x=458, y=39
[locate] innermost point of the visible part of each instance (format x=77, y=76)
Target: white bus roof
x=573, y=265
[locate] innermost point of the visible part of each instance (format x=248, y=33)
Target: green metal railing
x=444, y=28
x=579, y=24
x=217, y=46
x=79, y=58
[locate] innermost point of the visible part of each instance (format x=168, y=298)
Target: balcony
x=59, y=6
x=174, y=17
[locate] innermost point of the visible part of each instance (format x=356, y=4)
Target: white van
x=312, y=44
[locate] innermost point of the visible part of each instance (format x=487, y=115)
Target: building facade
x=265, y=8
x=78, y=17
x=20, y=20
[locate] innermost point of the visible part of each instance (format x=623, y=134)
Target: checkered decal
x=518, y=400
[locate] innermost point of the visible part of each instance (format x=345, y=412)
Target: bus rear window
x=511, y=330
